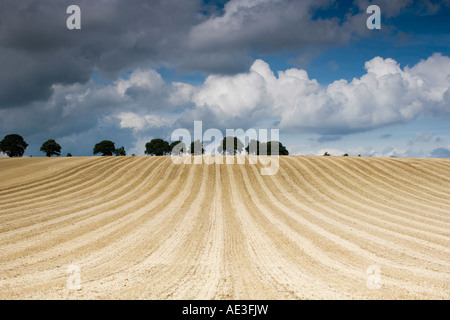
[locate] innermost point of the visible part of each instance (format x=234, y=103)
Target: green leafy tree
x=283, y=150
x=51, y=148
x=105, y=147
x=345, y=154
x=120, y=151
x=266, y=148
x=230, y=144
x=253, y=147
x=326, y=154
x=69, y=154
x=157, y=147
x=13, y=145
x=177, y=147
x=197, y=147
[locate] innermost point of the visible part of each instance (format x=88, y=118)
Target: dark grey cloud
x=46, y=90
x=37, y=50
x=267, y=26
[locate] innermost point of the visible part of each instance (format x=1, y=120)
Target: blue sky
x=312, y=69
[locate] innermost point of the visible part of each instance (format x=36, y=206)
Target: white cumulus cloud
x=386, y=94
x=145, y=79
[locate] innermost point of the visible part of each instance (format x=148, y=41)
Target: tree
x=253, y=147
x=266, y=148
x=51, y=148
x=345, y=154
x=13, y=145
x=177, y=147
x=230, y=144
x=282, y=151
x=105, y=147
x=120, y=151
x=197, y=147
x=69, y=154
x=326, y=154
x=157, y=147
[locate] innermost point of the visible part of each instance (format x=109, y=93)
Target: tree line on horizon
x=159, y=147
x=13, y=145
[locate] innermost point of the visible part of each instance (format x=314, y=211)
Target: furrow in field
x=433, y=169
x=309, y=250
x=188, y=268
x=384, y=186
x=398, y=212
x=55, y=178
x=286, y=209
x=267, y=265
x=207, y=277
x=407, y=175
x=354, y=250
x=41, y=219
x=23, y=173
x=94, y=194
x=164, y=236
x=349, y=184
x=346, y=217
x=372, y=215
x=145, y=228
x=102, y=241
x=41, y=210
x=375, y=239
x=51, y=193
x=103, y=213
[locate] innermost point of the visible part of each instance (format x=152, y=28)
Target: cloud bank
x=49, y=86
x=385, y=95
x=143, y=103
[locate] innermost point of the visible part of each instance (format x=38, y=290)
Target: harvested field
x=145, y=228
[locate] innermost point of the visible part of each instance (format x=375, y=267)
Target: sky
x=138, y=70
